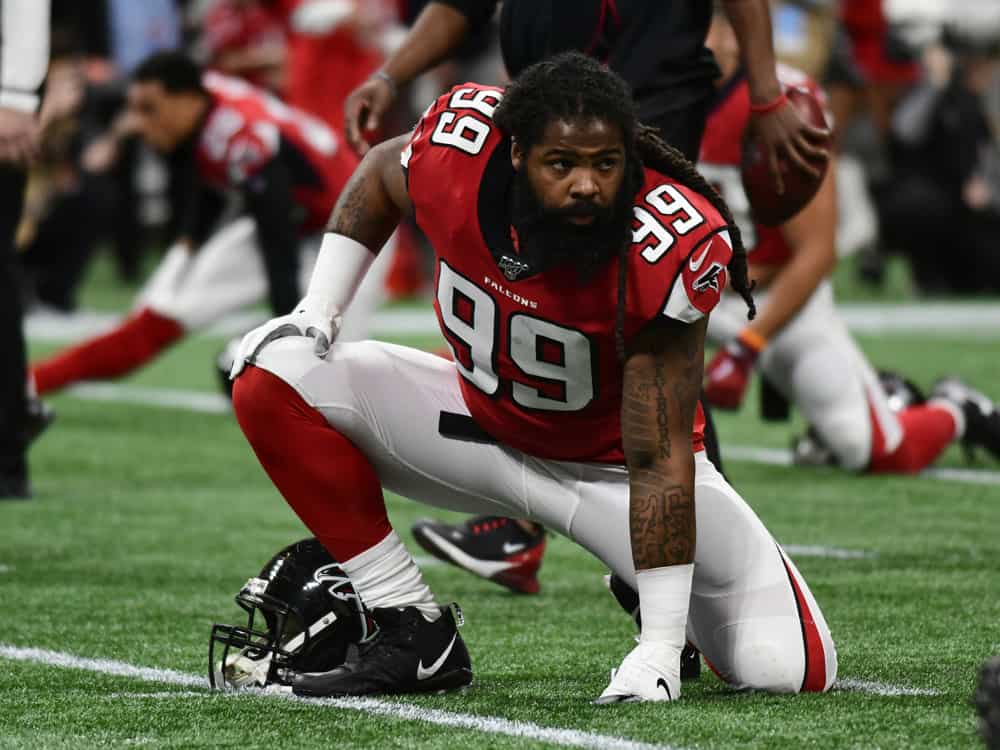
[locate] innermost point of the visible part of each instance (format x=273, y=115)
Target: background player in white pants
x=333, y=425
x=285, y=167
x=798, y=341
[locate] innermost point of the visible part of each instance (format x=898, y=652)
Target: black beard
x=547, y=238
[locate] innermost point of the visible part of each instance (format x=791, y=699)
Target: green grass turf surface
x=147, y=520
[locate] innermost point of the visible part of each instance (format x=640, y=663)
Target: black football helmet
x=311, y=615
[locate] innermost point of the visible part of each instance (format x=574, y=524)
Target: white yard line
x=199, y=401
x=216, y=403
x=835, y=553
x=101, y=666
x=944, y=317
x=162, y=695
x=779, y=457
x=916, y=318
x=5, y=569
x=392, y=709
x=881, y=688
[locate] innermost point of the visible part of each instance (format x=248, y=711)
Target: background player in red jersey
x=241, y=38
x=798, y=341
x=577, y=259
x=288, y=168
x=333, y=46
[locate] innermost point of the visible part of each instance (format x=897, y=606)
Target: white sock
x=387, y=576
x=664, y=598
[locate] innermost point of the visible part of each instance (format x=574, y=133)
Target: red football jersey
x=535, y=352
x=247, y=127
x=229, y=28
x=721, y=154
x=322, y=69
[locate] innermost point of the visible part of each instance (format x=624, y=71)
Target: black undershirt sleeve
x=269, y=200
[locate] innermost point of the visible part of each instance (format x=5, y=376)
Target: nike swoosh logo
x=510, y=549
x=423, y=674
x=695, y=263
x=663, y=684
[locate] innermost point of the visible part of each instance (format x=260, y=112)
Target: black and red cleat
x=982, y=415
x=492, y=547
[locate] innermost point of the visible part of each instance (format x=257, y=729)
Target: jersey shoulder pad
x=702, y=279
x=458, y=125
x=679, y=231
x=238, y=144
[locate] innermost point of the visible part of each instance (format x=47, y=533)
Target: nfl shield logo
x=511, y=267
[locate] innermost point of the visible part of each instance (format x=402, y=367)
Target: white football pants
x=226, y=274
x=752, y=615
x=816, y=364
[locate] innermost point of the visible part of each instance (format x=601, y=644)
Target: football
x=770, y=207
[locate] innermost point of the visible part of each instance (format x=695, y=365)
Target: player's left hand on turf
x=728, y=375
x=309, y=319
x=783, y=132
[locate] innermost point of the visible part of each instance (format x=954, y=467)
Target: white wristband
x=340, y=267
x=22, y=101
x=664, y=596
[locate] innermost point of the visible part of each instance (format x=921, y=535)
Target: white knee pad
x=762, y=659
x=848, y=438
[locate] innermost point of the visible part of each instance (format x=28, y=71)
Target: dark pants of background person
x=56, y=259
x=12, y=355
x=951, y=248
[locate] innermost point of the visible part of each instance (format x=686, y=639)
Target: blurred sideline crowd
x=913, y=86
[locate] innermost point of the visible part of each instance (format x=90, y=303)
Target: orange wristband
x=763, y=109
x=752, y=340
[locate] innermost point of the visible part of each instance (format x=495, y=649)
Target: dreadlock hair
x=572, y=86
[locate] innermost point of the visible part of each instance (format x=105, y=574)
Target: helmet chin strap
x=317, y=627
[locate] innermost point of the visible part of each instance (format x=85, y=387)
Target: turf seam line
x=779, y=457
x=391, y=709
x=834, y=553
x=215, y=403
x=869, y=318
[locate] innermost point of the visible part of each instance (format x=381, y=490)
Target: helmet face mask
x=307, y=625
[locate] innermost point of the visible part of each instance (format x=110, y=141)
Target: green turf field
x=148, y=519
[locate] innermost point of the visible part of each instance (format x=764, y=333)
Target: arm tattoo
x=661, y=520
x=660, y=389
x=658, y=405
x=369, y=207
x=349, y=213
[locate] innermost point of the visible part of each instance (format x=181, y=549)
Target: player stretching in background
x=227, y=136
x=798, y=341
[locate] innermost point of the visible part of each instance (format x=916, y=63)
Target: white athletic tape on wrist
x=340, y=267
x=664, y=598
